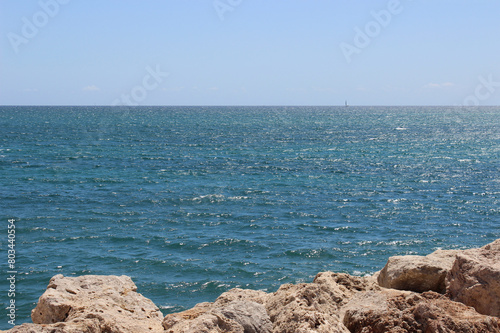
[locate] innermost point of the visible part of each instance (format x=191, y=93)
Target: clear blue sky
x=249, y=52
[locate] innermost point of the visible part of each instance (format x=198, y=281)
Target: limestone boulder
x=84, y=326
x=250, y=315
x=314, y=307
x=238, y=311
x=111, y=303
x=475, y=279
x=343, y=286
x=393, y=311
x=200, y=320
x=238, y=294
x=418, y=273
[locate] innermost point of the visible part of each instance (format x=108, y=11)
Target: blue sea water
x=193, y=201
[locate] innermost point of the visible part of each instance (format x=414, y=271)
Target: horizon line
x=255, y=105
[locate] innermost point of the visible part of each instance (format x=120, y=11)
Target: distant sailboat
x=346, y=103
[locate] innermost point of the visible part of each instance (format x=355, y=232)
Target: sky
x=249, y=52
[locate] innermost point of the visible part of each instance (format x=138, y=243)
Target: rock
x=84, y=326
x=402, y=311
x=344, y=286
x=110, y=301
x=303, y=308
x=207, y=322
x=418, y=273
x=250, y=315
x=314, y=307
x=236, y=311
x=475, y=279
x=237, y=294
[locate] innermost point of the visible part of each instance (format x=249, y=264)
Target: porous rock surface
x=475, y=279
x=93, y=303
x=418, y=273
x=84, y=326
x=333, y=302
x=314, y=307
x=238, y=310
x=402, y=311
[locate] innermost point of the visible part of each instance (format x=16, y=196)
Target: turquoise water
x=193, y=201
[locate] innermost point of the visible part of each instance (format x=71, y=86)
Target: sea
x=193, y=201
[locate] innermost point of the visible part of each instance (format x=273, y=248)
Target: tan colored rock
x=344, y=286
x=303, y=308
x=207, y=322
x=475, y=279
x=393, y=311
x=112, y=301
x=237, y=310
x=314, y=307
x=237, y=294
x=418, y=273
x=250, y=315
x=84, y=326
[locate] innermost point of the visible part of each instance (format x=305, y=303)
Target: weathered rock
x=418, y=273
x=313, y=307
x=250, y=315
x=207, y=322
x=237, y=294
x=401, y=311
x=110, y=301
x=475, y=279
x=236, y=311
x=344, y=286
x=303, y=308
x=84, y=326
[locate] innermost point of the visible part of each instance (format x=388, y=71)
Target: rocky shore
x=445, y=291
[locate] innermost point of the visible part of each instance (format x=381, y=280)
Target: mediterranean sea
x=193, y=201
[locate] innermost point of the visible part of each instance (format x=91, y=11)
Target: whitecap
x=239, y=197
x=166, y=307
